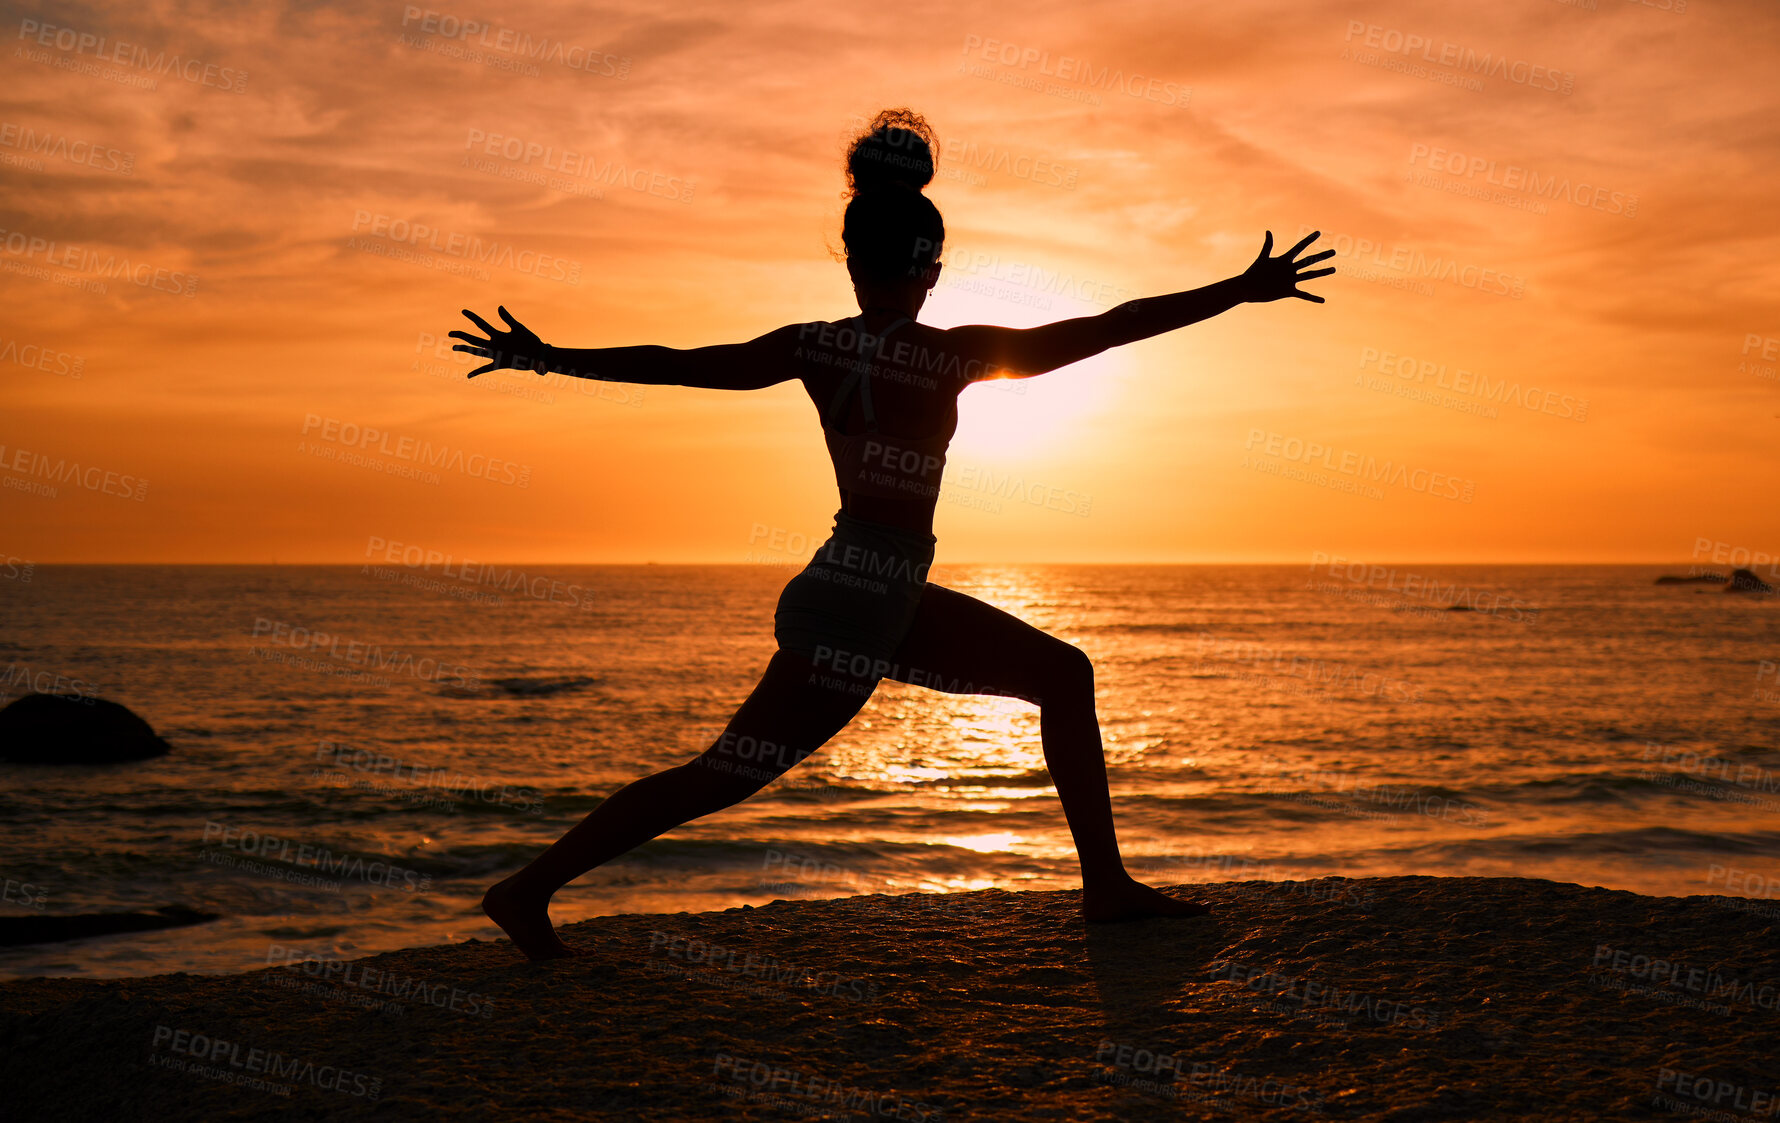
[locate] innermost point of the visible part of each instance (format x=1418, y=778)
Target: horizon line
x=799, y=561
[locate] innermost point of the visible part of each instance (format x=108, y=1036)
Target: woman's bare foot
x=1132, y=900
x=525, y=918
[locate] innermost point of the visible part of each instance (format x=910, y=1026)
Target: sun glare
x=1024, y=417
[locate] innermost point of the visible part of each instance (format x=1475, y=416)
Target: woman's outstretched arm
x=1030, y=351
x=731, y=366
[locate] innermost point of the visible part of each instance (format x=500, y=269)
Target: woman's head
x=893, y=233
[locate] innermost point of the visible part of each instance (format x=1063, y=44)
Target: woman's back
x=886, y=390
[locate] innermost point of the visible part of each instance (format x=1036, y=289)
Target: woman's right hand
x=519, y=348
x=1274, y=278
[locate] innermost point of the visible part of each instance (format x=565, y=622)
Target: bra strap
x=871, y=416
x=832, y=417
x=859, y=376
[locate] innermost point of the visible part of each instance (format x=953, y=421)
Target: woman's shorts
x=858, y=595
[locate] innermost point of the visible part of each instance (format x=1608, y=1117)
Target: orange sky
x=1604, y=373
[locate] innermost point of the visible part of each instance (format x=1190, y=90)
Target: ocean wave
x=1643, y=843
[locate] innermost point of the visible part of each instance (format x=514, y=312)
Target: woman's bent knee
x=1069, y=673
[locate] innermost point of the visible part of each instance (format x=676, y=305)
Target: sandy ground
x=1404, y=998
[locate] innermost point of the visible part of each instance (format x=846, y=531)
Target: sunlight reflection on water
x=1544, y=747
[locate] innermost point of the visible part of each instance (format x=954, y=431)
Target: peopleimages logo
x=519, y=44
x=1672, y=975
x=577, y=165
x=24, y=463
x=1410, y=586
x=1470, y=384
x=421, y=560
x=57, y=146
x=1414, y=264
x=469, y=247
x=319, y=858
x=407, y=775
x=101, y=47
x=1359, y=465
x=1445, y=53
x=361, y=976
x=368, y=438
x=48, y=682
x=1076, y=71
x=37, y=357
x=368, y=655
x=209, y=1054
x=32, y=247
x=1513, y=177
x=1695, y=1094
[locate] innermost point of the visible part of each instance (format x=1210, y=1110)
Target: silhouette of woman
x=886, y=389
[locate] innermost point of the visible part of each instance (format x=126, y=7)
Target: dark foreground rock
x=1398, y=1000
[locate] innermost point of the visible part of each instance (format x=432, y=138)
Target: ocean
x=353, y=794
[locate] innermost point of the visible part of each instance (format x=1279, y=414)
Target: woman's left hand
x=519, y=348
x=1274, y=278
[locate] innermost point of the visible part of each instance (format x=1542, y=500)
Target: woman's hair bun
x=895, y=151
x=892, y=231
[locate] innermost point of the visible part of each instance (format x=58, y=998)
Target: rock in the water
x=1745, y=581
x=1697, y=579
x=534, y=687
x=74, y=729
x=18, y=931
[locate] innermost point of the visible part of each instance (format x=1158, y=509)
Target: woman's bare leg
x=961, y=645
x=785, y=719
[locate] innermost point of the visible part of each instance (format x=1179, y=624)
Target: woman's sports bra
x=874, y=463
